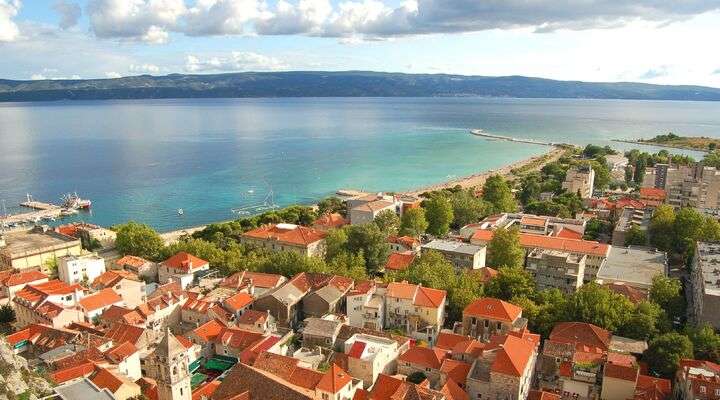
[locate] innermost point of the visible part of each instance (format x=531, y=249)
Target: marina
x=42, y=211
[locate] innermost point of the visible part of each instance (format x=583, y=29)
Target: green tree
x=511, y=282
x=51, y=267
x=439, y=214
x=662, y=227
x=646, y=321
x=710, y=230
x=289, y=263
x=530, y=189
x=199, y=248
x=712, y=159
x=628, y=174
x=388, y=222
x=599, y=306
x=468, y=287
x=498, y=193
x=665, y=352
x=635, y=236
x=602, y=174
x=7, y=315
x=594, y=228
x=667, y=293
x=416, y=377
x=335, y=243
x=413, y=222
x=706, y=343
x=431, y=270
x=467, y=208
x=348, y=264
x=504, y=249
x=138, y=240
x=640, y=166
x=331, y=205
x=688, y=227
x=373, y=244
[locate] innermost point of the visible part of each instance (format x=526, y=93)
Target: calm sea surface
x=145, y=159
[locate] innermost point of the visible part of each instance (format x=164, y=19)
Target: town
x=588, y=275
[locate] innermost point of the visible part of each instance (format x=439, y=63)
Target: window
x=702, y=389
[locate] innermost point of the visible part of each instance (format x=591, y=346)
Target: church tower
x=168, y=365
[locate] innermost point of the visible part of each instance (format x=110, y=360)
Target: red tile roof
x=495, y=309
x=132, y=261
x=632, y=293
x=111, y=278
x=35, y=292
x=252, y=317
x=569, y=234
x=334, y=380
x=452, y=391
x=357, y=349
x=400, y=261
x=22, y=278
x=485, y=274
x=79, y=371
x=199, y=306
x=105, y=379
x=408, y=242
x=120, y=333
x=580, y=333
x=621, y=372
x=184, y=341
x=651, y=388
x=428, y=358
x=103, y=298
x=121, y=351
x=209, y=330
x=331, y=220
x=549, y=242
x=447, y=341
x=184, y=262
x=258, y=279
x=238, y=301
x=205, y=390
x=421, y=296
x=542, y=395
x=512, y=356
x=293, y=234
x=649, y=192
x=455, y=370
x=533, y=220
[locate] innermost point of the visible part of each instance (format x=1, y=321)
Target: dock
x=41, y=211
x=39, y=205
x=479, y=132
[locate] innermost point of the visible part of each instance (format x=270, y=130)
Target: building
x=181, y=267
x=634, y=266
x=141, y=267
x=369, y=356
x=12, y=281
x=487, y=316
x=596, y=252
x=418, y=310
x=404, y=244
x=688, y=186
x=35, y=248
x=168, y=366
x=705, y=278
x=392, y=388
x=505, y=369
x=365, y=305
x=52, y=303
x=580, y=180
x=462, y=255
x=400, y=261
x=321, y=332
x=287, y=237
x=90, y=234
x=555, y=269
x=125, y=283
x=424, y=360
x=696, y=379
x=528, y=223
x=329, y=221
x=95, y=304
x=628, y=218
x=83, y=268
x=653, y=197
x=363, y=209
x=82, y=389
x=254, y=283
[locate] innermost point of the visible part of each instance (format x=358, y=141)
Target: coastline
x=468, y=181
x=669, y=146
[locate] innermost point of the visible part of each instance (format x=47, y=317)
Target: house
x=35, y=248
x=94, y=304
x=580, y=180
x=400, y=244
x=254, y=283
x=257, y=321
x=422, y=359
x=652, y=388
x=287, y=237
x=163, y=308
x=139, y=337
x=125, y=283
x=485, y=274
x=630, y=218
x=82, y=268
x=596, y=252
x=697, y=379
x=238, y=303
x=126, y=357
x=52, y=303
x=634, y=266
x=181, y=267
x=653, y=197
x=400, y=261
x=365, y=305
x=120, y=386
x=367, y=212
x=329, y=221
x=528, y=223
x=195, y=311
x=505, y=369
x=205, y=335
x=347, y=332
x=455, y=371
x=705, y=278
x=636, y=295
x=12, y=281
x=487, y=316
x=462, y=255
x=321, y=332
x=39, y=338
x=82, y=389
x=286, y=303
x=139, y=266
x=555, y=269
x=390, y=388
x=89, y=233
x=368, y=356
x=418, y=310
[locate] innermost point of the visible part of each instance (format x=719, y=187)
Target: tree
x=602, y=174
x=467, y=208
x=199, y=248
x=667, y=293
x=710, y=230
x=628, y=174
x=416, y=377
x=289, y=263
x=595, y=228
x=7, y=314
x=647, y=321
x=497, y=192
x=661, y=227
x=335, y=243
x=511, y=282
x=640, y=166
x=413, y=222
x=439, y=214
x=51, y=266
x=688, y=227
x=599, y=306
x=530, y=189
x=706, y=343
x=373, y=244
x=468, y=287
x=388, y=222
x=349, y=265
x=331, y=204
x=431, y=270
x=504, y=249
x=635, y=236
x=138, y=240
x=665, y=352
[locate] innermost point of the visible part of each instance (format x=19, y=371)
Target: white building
x=462, y=255
x=366, y=306
x=84, y=268
x=370, y=356
x=181, y=267
x=580, y=180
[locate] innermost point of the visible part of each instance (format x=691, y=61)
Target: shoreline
x=669, y=146
x=467, y=181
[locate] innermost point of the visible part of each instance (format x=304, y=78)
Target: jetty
x=41, y=211
x=480, y=132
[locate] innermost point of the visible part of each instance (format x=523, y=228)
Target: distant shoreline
x=669, y=146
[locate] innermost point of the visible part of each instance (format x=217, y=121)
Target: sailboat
x=180, y=211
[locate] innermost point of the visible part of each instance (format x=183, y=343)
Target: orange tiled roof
x=533, y=221
x=103, y=298
x=455, y=370
x=447, y=341
x=566, y=233
x=209, y=330
x=512, y=356
x=652, y=192
x=361, y=287
x=111, y=278
x=406, y=241
x=258, y=279
x=580, y=333
x=251, y=317
x=238, y=301
x=205, y=390
x=426, y=357
x=452, y=391
x=549, y=242
x=121, y=351
x=35, y=292
x=105, y=379
x=400, y=261
x=300, y=235
x=542, y=395
x=331, y=220
x=495, y=309
x=651, y=388
x=622, y=372
x=184, y=341
x=632, y=293
x=334, y=380
x=486, y=273
x=132, y=261
x=79, y=371
x=427, y=297
x=184, y=262
x=120, y=333
x=22, y=278
x=196, y=305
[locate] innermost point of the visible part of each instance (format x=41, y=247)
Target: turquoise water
x=144, y=159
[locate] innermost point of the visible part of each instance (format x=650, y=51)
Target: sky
x=653, y=41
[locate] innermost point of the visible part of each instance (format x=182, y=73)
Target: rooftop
x=19, y=244
x=634, y=265
x=708, y=260
x=83, y=389
x=453, y=246
x=287, y=233
x=488, y=307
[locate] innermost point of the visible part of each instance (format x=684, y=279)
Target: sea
x=217, y=159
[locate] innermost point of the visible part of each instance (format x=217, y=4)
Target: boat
x=180, y=211
x=74, y=202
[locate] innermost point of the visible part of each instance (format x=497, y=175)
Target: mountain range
x=339, y=84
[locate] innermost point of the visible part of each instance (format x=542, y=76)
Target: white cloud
x=145, y=20
x=113, y=75
x=223, y=17
x=38, y=77
x=69, y=13
x=654, y=73
x=237, y=61
x=307, y=16
x=8, y=28
x=144, y=68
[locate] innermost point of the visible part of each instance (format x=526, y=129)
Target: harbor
x=43, y=211
x=480, y=132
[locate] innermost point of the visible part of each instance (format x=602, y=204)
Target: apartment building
x=555, y=269
x=287, y=237
x=705, y=278
x=580, y=180
x=462, y=255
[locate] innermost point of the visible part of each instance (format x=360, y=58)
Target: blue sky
x=650, y=41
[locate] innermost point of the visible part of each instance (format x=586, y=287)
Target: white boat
x=180, y=211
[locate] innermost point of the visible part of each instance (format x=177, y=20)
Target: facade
x=366, y=213
x=487, y=317
x=126, y=284
x=141, y=267
x=580, y=180
x=52, y=303
x=554, y=269
x=287, y=237
x=84, y=268
x=696, y=379
x=705, y=278
x=321, y=332
x=369, y=356
x=95, y=304
x=634, y=266
x=168, y=366
x=365, y=305
x=422, y=359
x=181, y=267
x=628, y=218
x=652, y=196
x=418, y=310
x=11, y=282
x=461, y=255
x=688, y=186
x=35, y=248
